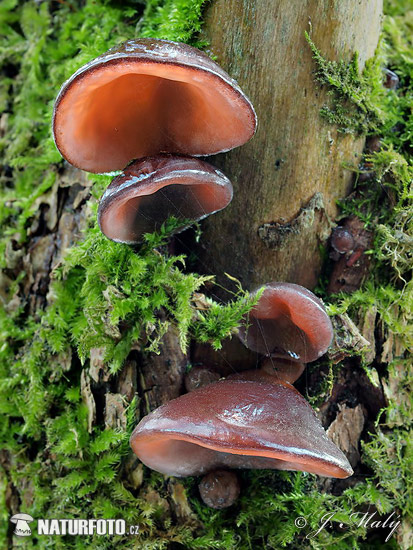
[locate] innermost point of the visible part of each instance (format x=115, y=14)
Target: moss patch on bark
x=50, y=460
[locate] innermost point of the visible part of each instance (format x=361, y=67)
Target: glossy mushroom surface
x=237, y=424
x=342, y=240
x=145, y=97
x=272, y=371
x=289, y=322
x=219, y=489
x=151, y=190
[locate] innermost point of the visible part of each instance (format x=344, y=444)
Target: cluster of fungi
x=158, y=104
x=148, y=108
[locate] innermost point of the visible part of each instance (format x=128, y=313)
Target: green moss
x=102, y=287
x=358, y=100
x=178, y=20
x=385, y=204
x=104, y=294
x=266, y=513
x=118, y=288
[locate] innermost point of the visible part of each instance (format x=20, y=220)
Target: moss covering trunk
x=94, y=334
x=289, y=177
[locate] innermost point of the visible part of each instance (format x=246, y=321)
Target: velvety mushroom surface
x=145, y=97
x=151, y=190
x=289, y=322
x=237, y=424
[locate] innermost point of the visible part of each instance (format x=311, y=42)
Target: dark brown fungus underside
x=288, y=322
x=151, y=190
x=237, y=424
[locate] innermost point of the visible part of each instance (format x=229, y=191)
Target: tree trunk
x=288, y=178
x=286, y=181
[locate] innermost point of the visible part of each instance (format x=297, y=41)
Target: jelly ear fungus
x=237, y=424
x=163, y=102
x=137, y=103
x=273, y=371
x=146, y=97
x=288, y=322
x=151, y=190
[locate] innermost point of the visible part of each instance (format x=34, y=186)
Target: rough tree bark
x=288, y=178
x=286, y=181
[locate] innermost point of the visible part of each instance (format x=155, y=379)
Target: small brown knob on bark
x=219, y=489
x=342, y=240
x=198, y=377
x=373, y=144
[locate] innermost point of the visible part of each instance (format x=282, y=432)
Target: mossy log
x=66, y=425
x=288, y=178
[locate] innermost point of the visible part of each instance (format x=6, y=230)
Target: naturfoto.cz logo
x=73, y=527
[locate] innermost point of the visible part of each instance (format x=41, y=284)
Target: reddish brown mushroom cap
x=283, y=369
x=151, y=190
x=145, y=97
x=237, y=424
x=272, y=371
x=289, y=321
x=219, y=489
x=342, y=240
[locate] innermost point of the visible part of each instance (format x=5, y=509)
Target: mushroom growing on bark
x=145, y=97
x=272, y=371
x=288, y=322
x=151, y=190
x=237, y=424
x=219, y=489
x=342, y=240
